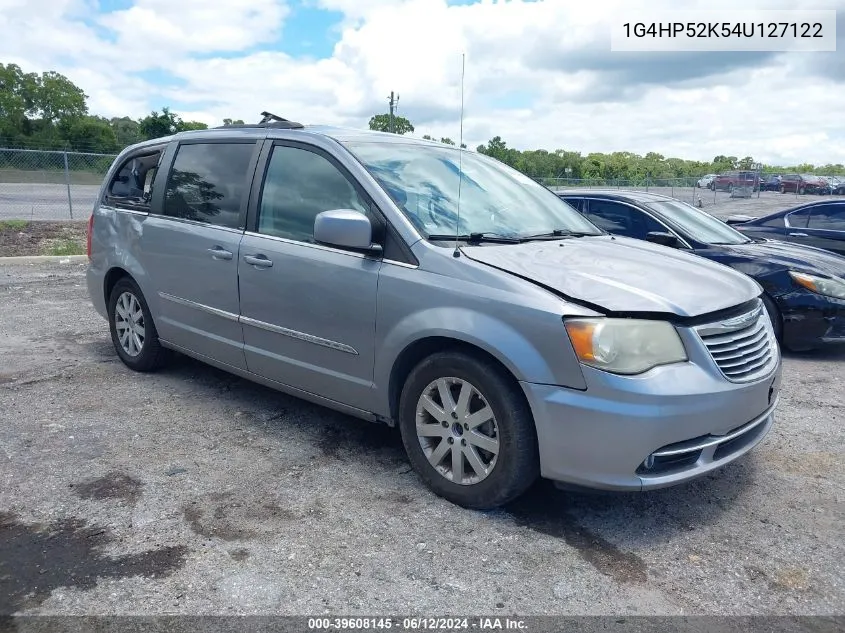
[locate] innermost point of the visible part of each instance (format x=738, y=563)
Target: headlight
x=820, y=285
x=625, y=346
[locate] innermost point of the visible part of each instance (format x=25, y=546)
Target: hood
x=619, y=274
x=790, y=256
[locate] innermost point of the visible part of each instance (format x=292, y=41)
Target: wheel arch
x=422, y=348
x=114, y=274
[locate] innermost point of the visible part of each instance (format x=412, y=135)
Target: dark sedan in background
x=804, y=286
x=820, y=224
x=771, y=183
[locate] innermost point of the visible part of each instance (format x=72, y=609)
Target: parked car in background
x=736, y=179
x=835, y=184
x=335, y=265
x=802, y=184
x=820, y=224
x=705, y=181
x=771, y=183
x=804, y=286
x=839, y=189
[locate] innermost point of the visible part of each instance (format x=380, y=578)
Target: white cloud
x=553, y=53
x=195, y=25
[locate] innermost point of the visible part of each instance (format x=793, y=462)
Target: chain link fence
x=714, y=190
x=49, y=185
x=60, y=185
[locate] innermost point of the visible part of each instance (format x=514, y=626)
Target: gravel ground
x=191, y=491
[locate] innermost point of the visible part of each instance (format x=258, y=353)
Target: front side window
x=301, y=184
x=208, y=182
x=427, y=182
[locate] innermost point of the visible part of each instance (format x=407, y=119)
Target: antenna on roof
x=457, y=252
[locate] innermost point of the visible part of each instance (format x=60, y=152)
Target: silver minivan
x=435, y=289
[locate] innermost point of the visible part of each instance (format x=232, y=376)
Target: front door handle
x=798, y=234
x=219, y=253
x=258, y=260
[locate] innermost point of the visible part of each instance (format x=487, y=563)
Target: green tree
x=156, y=125
x=447, y=140
x=127, y=131
x=381, y=123
x=57, y=99
x=17, y=99
x=165, y=123
x=185, y=126
x=91, y=134
x=228, y=122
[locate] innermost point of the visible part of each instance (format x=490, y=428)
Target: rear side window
x=828, y=216
x=299, y=185
x=208, y=183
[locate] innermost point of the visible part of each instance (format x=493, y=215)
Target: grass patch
x=13, y=225
x=66, y=247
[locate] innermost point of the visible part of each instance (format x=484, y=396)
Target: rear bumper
x=95, y=280
x=671, y=425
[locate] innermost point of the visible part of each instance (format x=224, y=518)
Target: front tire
x=133, y=332
x=468, y=431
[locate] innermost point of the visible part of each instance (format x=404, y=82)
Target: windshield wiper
x=476, y=238
x=557, y=233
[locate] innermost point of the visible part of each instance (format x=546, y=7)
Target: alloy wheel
x=129, y=322
x=457, y=430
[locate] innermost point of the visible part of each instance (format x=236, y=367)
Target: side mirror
x=664, y=239
x=345, y=228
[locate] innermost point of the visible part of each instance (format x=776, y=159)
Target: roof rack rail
x=274, y=120
x=268, y=120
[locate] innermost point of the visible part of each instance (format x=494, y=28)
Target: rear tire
x=133, y=332
x=496, y=460
x=782, y=189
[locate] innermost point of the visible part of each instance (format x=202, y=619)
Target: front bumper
x=670, y=425
x=811, y=320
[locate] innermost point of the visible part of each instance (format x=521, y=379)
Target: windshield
x=495, y=199
x=698, y=225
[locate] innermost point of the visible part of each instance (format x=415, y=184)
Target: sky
x=540, y=74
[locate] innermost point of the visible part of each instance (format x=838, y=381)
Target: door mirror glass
x=344, y=228
x=665, y=239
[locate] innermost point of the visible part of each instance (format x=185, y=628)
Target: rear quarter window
x=131, y=185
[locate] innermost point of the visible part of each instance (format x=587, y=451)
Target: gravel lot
x=191, y=491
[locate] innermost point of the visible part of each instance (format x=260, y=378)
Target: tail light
x=90, y=231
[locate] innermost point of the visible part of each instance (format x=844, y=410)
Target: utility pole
x=393, y=104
